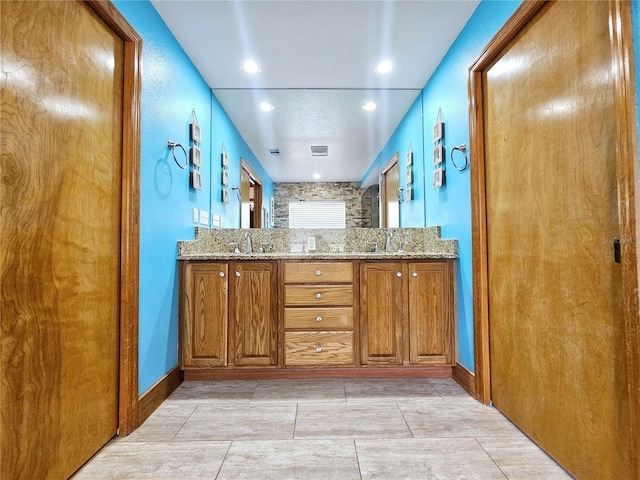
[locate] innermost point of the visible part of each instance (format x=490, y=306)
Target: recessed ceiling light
x=266, y=107
x=317, y=176
x=384, y=67
x=369, y=106
x=251, y=66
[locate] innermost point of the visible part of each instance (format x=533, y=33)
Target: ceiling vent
x=274, y=151
x=319, y=150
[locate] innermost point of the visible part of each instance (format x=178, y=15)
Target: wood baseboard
x=465, y=379
x=158, y=393
x=359, y=372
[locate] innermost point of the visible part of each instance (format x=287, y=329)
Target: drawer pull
x=414, y=274
x=318, y=318
x=221, y=274
x=398, y=274
x=318, y=272
x=318, y=295
x=319, y=349
x=238, y=274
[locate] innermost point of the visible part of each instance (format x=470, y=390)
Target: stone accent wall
x=349, y=192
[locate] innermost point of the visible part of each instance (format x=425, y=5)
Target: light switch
x=204, y=217
x=196, y=215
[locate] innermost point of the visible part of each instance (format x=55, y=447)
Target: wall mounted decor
x=438, y=151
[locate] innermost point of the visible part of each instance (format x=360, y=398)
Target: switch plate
x=215, y=220
x=196, y=215
x=204, y=217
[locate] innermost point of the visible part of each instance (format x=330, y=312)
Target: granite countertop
x=336, y=244
x=317, y=256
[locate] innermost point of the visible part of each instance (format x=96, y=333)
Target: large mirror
x=317, y=138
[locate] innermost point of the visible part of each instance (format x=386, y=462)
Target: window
x=321, y=214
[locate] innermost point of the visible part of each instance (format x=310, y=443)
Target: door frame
x=383, y=188
x=130, y=217
x=257, y=194
x=628, y=198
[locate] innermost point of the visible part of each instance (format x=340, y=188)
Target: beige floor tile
x=452, y=418
x=350, y=420
x=239, y=422
x=201, y=392
x=447, y=387
x=388, y=388
x=291, y=459
x=425, y=459
x=521, y=459
x=162, y=425
x=142, y=460
x=299, y=390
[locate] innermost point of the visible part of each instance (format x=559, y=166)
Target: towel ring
x=463, y=149
x=172, y=146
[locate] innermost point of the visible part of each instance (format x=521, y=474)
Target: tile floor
x=323, y=429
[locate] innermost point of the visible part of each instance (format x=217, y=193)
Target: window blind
x=317, y=214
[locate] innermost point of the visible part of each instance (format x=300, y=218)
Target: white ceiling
x=318, y=59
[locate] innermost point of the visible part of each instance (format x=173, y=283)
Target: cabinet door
x=431, y=326
x=254, y=312
x=382, y=289
x=203, y=323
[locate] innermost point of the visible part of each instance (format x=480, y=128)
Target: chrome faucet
x=388, y=246
x=249, y=247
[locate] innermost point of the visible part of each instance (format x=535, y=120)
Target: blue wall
x=449, y=206
x=171, y=89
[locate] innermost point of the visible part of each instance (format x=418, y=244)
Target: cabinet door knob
x=238, y=274
x=318, y=272
x=318, y=349
x=221, y=274
x=318, y=318
x=414, y=274
x=318, y=295
x=398, y=274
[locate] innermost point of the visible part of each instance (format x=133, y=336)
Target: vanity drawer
x=318, y=348
x=318, y=318
x=318, y=272
x=318, y=295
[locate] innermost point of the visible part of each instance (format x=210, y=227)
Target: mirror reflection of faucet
x=249, y=246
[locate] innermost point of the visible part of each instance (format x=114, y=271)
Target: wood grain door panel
x=556, y=339
x=382, y=290
x=431, y=325
x=60, y=235
x=254, y=313
x=205, y=315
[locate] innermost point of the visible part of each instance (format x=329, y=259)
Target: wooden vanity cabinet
x=431, y=324
x=204, y=313
x=406, y=313
x=229, y=314
x=293, y=315
x=253, y=313
x=383, y=291
x=318, y=313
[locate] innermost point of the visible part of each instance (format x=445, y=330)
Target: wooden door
x=254, y=313
x=390, y=200
x=204, y=317
x=556, y=329
x=431, y=339
x=382, y=300
x=62, y=220
x=245, y=199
